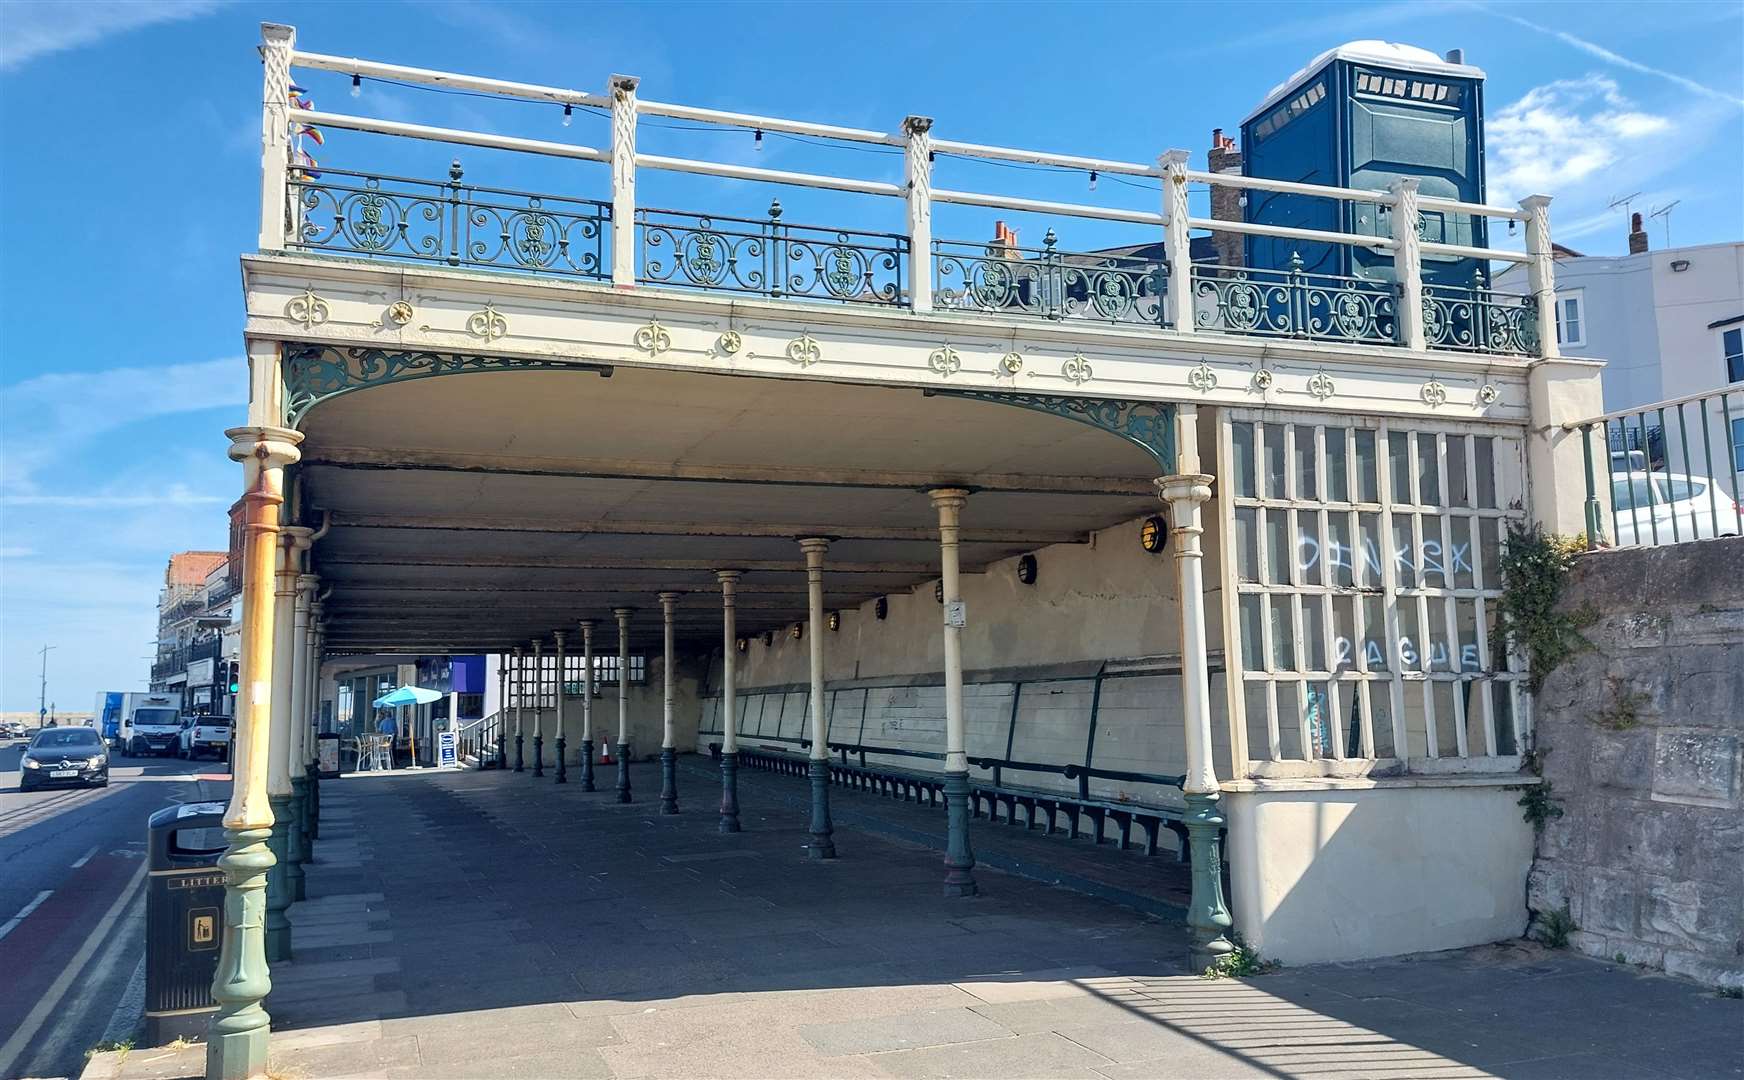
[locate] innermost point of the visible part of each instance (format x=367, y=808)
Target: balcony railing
x=1479, y=320
x=455, y=224
x=1048, y=283
x=615, y=240
x=1293, y=303
x=770, y=257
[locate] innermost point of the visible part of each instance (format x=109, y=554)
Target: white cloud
x=1563, y=133
x=49, y=416
x=1609, y=57
x=35, y=29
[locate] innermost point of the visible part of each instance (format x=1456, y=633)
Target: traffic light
x=233, y=676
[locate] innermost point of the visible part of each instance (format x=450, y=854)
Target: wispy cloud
x=1561, y=134
x=50, y=415
x=1609, y=57
x=175, y=495
x=36, y=28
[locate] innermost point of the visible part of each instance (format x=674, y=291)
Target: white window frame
x=1579, y=296
x=1509, y=473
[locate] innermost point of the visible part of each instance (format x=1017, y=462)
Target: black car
x=64, y=755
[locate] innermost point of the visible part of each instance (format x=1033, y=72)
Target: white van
x=150, y=724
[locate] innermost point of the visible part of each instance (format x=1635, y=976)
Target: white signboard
x=445, y=755
x=200, y=672
x=957, y=614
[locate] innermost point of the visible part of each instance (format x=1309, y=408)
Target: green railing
x=1669, y=471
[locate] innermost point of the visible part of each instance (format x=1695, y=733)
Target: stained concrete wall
x=1641, y=741
x=1104, y=601
x=645, y=711
x=1345, y=870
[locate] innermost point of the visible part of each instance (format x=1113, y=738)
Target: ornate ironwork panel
x=316, y=373
x=770, y=257
x=1479, y=320
x=1149, y=425
x=1048, y=283
x=1294, y=303
x=454, y=223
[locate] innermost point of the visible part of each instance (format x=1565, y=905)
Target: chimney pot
x=1455, y=56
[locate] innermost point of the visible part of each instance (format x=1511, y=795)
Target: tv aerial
x=1664, y=214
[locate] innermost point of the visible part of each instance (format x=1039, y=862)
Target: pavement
x=487, y=924
x=72, y=912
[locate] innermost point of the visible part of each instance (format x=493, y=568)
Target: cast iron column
x=502, y=754
x=285, y=842
x=236, y=1039
x=623, y=615
x=298, y=829
x=538, y=710
x=668, y=746
x=519, y=681
x=729, y=720
x=959, y=858
x=562, y=743
x=822, y=844
x=1207, y=918
x=587, y=705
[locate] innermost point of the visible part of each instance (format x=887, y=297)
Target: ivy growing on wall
x=1535, y=567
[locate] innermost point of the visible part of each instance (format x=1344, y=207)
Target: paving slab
x=498, y=926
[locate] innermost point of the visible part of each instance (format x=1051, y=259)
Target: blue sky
x=130, y=170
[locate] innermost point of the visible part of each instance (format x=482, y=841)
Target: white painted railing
x=1530, y=331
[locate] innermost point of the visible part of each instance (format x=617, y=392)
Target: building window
x=1732, y=345
x=1364, y=564
x=1738, y=446
x=1571, y=328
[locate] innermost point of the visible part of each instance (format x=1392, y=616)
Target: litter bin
x=184, y=920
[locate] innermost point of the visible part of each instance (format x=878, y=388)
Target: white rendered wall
x=1396, y=867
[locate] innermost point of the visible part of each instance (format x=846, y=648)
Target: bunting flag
x=314, y=134
x=305, y=166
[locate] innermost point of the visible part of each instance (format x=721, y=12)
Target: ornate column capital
x=951, y=497
x=270, y=447
x=1194, y=488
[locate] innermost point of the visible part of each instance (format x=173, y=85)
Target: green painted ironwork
x=1208, y=917
x=1148, y=425
x=317, y=373
x=237, y=1037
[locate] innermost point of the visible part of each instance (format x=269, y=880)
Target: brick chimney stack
x=1004, y=242
x=1637, y=235
x=1223, y=157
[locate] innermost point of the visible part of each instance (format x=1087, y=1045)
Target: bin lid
x=163, y=825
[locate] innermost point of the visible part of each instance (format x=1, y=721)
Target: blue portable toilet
x=1360, y=116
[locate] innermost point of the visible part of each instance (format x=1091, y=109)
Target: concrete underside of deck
x=478, y=924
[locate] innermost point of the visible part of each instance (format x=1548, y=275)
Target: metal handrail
x=1657, y=456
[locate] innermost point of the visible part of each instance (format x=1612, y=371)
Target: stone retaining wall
x=1641, y=741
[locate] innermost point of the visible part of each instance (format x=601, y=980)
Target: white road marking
x=51, y=998
x=85, y=858
x=24, y=912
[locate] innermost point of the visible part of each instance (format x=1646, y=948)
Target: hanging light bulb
x=1092, y=179
x=757, y=141
x=1511, y=224
x=568, y=115
x=357, y=86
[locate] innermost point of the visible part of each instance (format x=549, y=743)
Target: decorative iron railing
x=1294, y=303
x=1048, y=283
x=1479, y=320
x=453, y=223
x=770, y=257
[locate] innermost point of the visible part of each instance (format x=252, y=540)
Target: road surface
x=72, y=904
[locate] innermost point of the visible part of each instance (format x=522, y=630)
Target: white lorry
x=148, y=723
